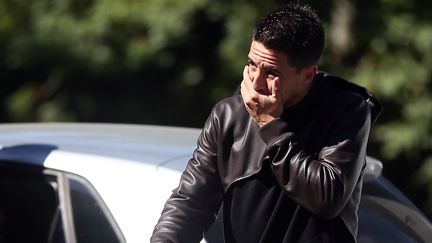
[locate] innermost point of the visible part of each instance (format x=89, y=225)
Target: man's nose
x=258, y=80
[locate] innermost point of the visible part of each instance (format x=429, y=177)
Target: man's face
x=264, y=65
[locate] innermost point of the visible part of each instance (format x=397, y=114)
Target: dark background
x=167, y=62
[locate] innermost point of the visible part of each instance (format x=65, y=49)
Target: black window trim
x=66, y=176
x=65, y=204
x=62, y=179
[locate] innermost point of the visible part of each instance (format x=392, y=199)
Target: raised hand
x=262, y=106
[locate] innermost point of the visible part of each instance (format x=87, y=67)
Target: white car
x=91, y=183
x=72, y=182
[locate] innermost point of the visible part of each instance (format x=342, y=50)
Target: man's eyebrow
x=266, y=67
x=249, y=60
x=272, y=68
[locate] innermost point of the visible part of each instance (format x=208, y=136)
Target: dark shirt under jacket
x=296, y=179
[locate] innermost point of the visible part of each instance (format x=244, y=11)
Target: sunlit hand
x=263, y=108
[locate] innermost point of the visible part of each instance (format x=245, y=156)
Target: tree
x=168, y=61
x=395, y=63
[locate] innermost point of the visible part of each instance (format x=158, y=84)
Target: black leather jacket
x=315, y=151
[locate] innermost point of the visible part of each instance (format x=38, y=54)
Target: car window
x=29, y=207
x=92, y=220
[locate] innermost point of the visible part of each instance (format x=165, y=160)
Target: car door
x=49, y=206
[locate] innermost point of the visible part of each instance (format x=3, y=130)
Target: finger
x=250, y=96
x=244, y=92
x=246, y=78
x=244, y=88
x=246, y=73
x=253, y=95
x=276, y=88
x=246, y=95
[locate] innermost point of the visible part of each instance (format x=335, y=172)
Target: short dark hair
x=295, y=30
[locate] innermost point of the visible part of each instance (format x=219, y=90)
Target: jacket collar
x=323, y=81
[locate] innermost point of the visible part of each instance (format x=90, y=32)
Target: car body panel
x=133, y=168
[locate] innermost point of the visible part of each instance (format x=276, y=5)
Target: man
x=285, y=158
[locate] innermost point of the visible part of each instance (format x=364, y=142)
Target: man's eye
x=252, y=67
x=271, y=74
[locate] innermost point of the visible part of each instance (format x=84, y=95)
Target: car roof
x=157, y=145
x=133, y=167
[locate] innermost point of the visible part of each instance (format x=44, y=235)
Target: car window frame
x=67, y=176
x=65, y=202
x=63, y=194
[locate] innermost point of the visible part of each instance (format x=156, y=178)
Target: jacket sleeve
x=193, y=205
x=322, y=183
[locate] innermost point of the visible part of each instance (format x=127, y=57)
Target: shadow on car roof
x=34, y=154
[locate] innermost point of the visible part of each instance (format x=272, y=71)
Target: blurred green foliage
x=168, y=61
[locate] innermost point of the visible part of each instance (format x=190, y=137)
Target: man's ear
x=309, y=73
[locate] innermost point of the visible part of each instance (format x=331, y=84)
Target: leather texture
x=316, y=151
